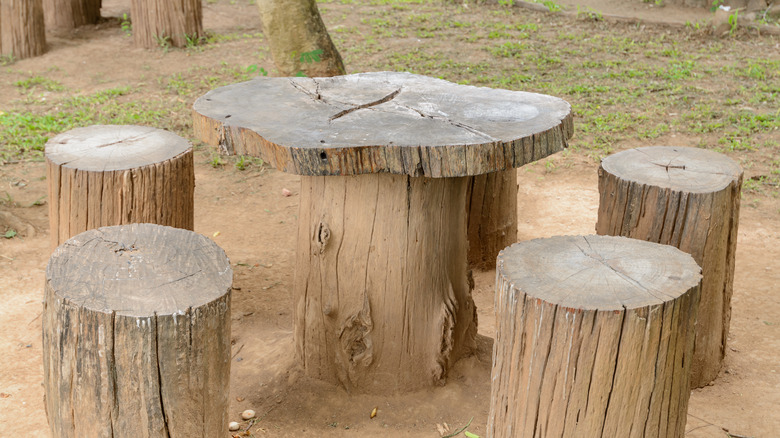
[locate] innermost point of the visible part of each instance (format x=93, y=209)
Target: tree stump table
x=687, y=198
x=166, y=22
x=136, y=334
x=594, y=338
x=112, y=175
x=66, y=15
x=382, y=299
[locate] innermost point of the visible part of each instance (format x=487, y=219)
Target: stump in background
x=687, y=198
x=22, y=30
x=111, y=175
x=594, y=337
x=136, y=334
x=491, y=203
x=158, y=23
x=70, y=14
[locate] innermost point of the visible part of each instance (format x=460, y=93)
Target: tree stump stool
x=65, y=15
x=22, y=29
x=159, y=23
x=594, y=336
x=687, y=198
x=113, y=175
x=136, y=334
x=382, y=300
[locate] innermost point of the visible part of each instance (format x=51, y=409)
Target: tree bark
x=491, y=203
x=298, y=38
x=136, y=334
x=22, y=30
x=69, y=14
x=112, y=175
x=382, y=300
x=594, y=338
x=158, y=23
x=688, y=198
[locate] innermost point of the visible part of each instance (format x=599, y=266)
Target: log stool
x=112, y=175
x=22, y=29
x=136, y=334
x=166, y=22
x=594, y=337
x=687, y=198
x=382, y=297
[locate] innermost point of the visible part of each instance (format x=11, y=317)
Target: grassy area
x=629, y=85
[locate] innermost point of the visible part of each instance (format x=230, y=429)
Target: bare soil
x=247, y=214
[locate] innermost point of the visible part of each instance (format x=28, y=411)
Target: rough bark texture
x=22, y=31
x=160, y=22
x=687, y=198
x=594, y=338
x=69, y=14
x=382, y=122
x=382, y=300
x=298, y=38
x=112, y=175
x=491, y=203
x=136, y=334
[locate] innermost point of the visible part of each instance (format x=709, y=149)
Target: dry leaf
x=373, y=412
x=217, y=233
x=286, y=193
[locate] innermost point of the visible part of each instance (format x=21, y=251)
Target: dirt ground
x=256, y=226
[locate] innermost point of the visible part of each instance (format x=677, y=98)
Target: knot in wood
x=323, y=236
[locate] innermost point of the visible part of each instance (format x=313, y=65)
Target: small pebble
x=248, y=414
x=233, y=426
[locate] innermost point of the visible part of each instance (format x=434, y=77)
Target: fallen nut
x=233, y=426
x=247, y=414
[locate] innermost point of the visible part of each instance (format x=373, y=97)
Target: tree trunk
x=159, y=23
x=491, y=203
x=22, y=30
x=382, y=302
x=687, y=198
x=594, y=338
x=299, y=41
x=136, y=334
x=70, y=14
x=112, y=175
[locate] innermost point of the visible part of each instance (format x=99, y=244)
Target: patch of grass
x=39, y=82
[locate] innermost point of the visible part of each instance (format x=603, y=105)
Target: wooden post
x=157, y=23
x=382, y=301
x=491, y=203
x=70, y=14
x=22, y=30
x=112, y=175
x=594, y=338
x=136, y=334
x=687, y=198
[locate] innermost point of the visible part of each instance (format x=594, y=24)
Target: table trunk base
x=382, y=300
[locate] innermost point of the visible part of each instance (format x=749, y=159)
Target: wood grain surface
x=22, y=28
x=594, y=338
x=136, y=334
x=688, y=198
x=106, y=175
x=391, y=122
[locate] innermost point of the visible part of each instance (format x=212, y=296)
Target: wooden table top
x=398, y=123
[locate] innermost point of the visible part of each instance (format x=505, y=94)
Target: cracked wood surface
x=594, y=338
x=136, y=334
x=382, y=122
x=688, y=198
x=382, y=298
x=106, y=175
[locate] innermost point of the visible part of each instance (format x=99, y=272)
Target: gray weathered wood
x=399, y=123
x=594, y=337
x=687, y=198
x=112, y=175
x=136, y=334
